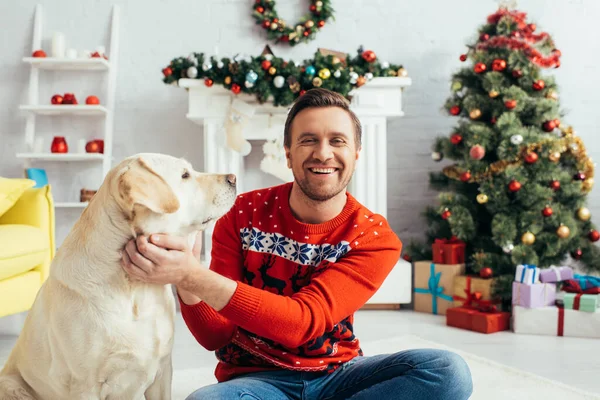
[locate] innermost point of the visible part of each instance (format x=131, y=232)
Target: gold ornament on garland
x=552, y=95
x=317, y=82
x=587, y=185
x=554, y=156
x=475, y=113
x=493, y=94
x=563, y=231
x=227, y=80
x=324, y=73
x=402, y=73
x=482, y=198
x=584, y=214
x=456, y=86
x=272, y=71
x=528, y=238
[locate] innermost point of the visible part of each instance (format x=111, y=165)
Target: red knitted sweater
x=298, y=284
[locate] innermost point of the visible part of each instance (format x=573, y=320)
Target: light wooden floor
x=572, y=361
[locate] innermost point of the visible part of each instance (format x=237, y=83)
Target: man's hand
x=165, y=259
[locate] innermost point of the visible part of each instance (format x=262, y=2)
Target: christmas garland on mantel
x=276, y=80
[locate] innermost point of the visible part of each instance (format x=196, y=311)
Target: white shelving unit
x=34, y=109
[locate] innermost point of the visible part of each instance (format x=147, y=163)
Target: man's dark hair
x=317, y=98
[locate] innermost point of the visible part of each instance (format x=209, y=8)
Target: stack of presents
x=551, y=301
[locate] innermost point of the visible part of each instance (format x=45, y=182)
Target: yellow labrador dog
x=92, y=333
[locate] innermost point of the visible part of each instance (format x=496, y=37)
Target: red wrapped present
x=478, y=319
x=448, y=251
x=573, y=286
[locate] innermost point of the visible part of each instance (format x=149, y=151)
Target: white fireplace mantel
x=374, y=103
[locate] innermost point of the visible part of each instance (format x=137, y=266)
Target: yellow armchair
x=27, y=247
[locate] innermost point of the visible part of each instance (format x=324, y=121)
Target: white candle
x=58, y=45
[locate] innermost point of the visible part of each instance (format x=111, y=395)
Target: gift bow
x=587, y=281
x=469, y=297
x=433, y=288
x=574, y=286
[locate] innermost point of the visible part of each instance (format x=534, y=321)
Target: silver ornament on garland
x=385, y=65
x=516, y=139
x=192, y=58
x=206, y=67
x=279, y=81
x=369, y=76
x=353, y=77
x=220, y=64
x=436, y=156
x=508, y=248
x=251, y=76
x=248, y=84
x=337, y=73
x=192, y=72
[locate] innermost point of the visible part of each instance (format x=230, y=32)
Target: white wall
x=426, y=35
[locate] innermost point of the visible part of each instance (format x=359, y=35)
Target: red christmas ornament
x=577, y=254
x=515, y=34
x=477, y=152
x=463, y=57
x=485, y=273
x=549, y=126
x=57, y=99
x=531, y=158
x=510, y=104
x=306, y=32
x=92, y=100
x=557, y=52
x=39, y=54
x=260, y=9
x=455, y=139
x=539, y=85
x=555, y=185
x=514, y=186
x=499, y=65
x=266, y=64
x=59, y=145
x=517, y=73
x=369, y=56
x=235, y=88
x=266, y=23
x=69, y=98
x=208, y=82
x=547, y=211
x=167, y=71
x=483, y=37
x=557, y=123
x=580, y=176
x=446, y=214
x=493, y=120
x=455, y=110
x=302, y=92
x=594, y=235
x=92, y=147
x=479, y=68
x=532, y=27
x=465, y=176
x=321, y=24
x=313, y=8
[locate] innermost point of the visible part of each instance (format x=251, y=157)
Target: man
x=290, y=266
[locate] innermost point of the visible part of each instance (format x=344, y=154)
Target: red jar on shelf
x=59, y=145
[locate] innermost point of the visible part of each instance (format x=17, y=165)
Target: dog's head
x=160, y=193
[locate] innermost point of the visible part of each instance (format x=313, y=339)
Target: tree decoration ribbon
x=434, y=289
x=265, y=15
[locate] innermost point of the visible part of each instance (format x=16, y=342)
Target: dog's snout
x=231, y=179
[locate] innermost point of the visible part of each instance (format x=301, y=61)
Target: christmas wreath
x=266, y=16
x=274, y=79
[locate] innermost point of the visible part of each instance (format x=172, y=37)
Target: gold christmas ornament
x=482, y=198
x=402, y=72
x=309, y=23
x=584, y=214
x=552, y=95
x=335, y=60
x=227, y=80
x=325, y=73
x=317, y=82
x=272, y=70
x=493, y=94
x=359, y=82
x=563, y=231
x=456, y=86
x=475, y=113
x=528, y=238
x=587, y=184
x=554, y=156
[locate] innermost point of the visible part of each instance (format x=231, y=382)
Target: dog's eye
x=185, y=175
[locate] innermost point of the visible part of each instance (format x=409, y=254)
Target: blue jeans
x=424, y=374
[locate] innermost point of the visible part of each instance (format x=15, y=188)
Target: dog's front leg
x=160, y=389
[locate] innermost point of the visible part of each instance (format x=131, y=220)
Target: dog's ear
x=140, y=185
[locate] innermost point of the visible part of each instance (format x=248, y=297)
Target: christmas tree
x=517, y=190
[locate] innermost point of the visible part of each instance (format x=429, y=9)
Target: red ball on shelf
x=39, y=54
x=486, y=273
x=92, y=100
x=92, y=147
x=57, y=99
x=59, y=145
x=594, y=235
x=69, y=98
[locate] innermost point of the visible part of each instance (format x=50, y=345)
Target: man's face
x=323, y=151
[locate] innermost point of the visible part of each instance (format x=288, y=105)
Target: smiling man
x=290, y=266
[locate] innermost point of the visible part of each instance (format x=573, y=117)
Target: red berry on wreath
x=455, y=110
x=499, y=65
x=455, y=139
x=321, y=24
x=539, y=85
x=39, y=53
x=235, y=88
x=594, y=235
x=532, y=27
x=266, y=23
x=369, y=56
x=57, y=99
x=510, y=104
x=313, y=8
x=266, y=64
x=517, y=73
x=485, y=273
x=465, y=176
x=260, y=9
x=514, y=186
x=446, y=214
x=483, y=37
x=208, y=82
x=549, y=126
x=92, y=100
x=479, y=68
x=531, y=157
x=306, y=32
x=167, y=71
x=577, y=254
x=547, y=211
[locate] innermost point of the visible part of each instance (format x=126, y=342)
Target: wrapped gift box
x=533, y=296
x=448, y=251
x=527, y=274
x=573, y=286
x=556, y=274
x=581, y=302
x=478, y=321
x=555, y=321
x=587, y=282
x=433, y=286
x=468, y=289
